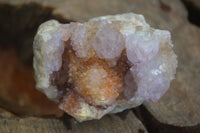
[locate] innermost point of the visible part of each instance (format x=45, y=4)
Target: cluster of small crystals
x=113, y=63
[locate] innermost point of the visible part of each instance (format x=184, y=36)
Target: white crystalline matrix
x=105, y=65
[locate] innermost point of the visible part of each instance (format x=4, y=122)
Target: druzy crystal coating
x=105, y=65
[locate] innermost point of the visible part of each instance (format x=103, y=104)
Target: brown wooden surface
x=108, y=124
x=17, y=88
x=178, y=107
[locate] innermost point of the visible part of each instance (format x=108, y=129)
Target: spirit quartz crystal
x=105, y=65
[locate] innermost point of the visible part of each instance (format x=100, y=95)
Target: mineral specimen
x=105, y=65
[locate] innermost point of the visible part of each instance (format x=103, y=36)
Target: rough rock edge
x=42, y=75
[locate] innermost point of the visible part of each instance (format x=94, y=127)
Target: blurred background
x=24, y=109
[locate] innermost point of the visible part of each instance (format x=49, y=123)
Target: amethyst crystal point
x=105, y=65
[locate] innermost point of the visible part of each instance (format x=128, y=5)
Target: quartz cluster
x=105, y=65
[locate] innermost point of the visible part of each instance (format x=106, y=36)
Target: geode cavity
x=105, y=65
